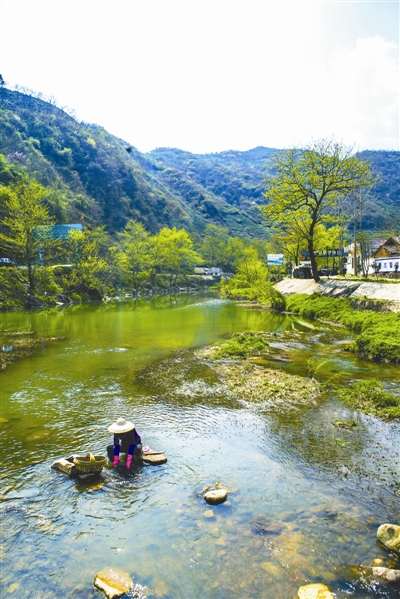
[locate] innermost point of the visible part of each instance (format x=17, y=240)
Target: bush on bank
x=378, y=334
x=262, y=292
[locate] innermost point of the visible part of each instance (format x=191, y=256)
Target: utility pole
x=355, y=241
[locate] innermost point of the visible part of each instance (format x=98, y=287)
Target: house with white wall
x=373, y=245
x=387, y=257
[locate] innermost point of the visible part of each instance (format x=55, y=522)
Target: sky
x=213, y=75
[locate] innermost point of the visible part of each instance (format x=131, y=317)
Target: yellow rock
x=13, y=587
x=208, y=514
x=314, y=591
x=3, y=421
x=389, y=535
x=377, y=562
x=272, y=569
x=113, y=581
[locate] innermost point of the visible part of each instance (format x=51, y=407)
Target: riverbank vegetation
x=377, y=334
x=370, y=397
x=252, y=281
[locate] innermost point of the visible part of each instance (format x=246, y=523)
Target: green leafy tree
x=90, y=273
x=24, y=233
x=263, y=248
x=213, y=245
x=173, y=253
x=290, y=244
x=306, y=185
x=251, y=281
x=231, y=252
x=135, y=254
x=250, y=269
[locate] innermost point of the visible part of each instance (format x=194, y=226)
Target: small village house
x=373, y=245
x=387, y=256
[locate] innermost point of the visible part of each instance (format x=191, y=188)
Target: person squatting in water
x=126, y=440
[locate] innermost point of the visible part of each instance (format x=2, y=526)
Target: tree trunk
x=313, y=260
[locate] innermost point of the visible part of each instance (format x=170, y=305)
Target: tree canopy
x=305, y=186
x=24, y=223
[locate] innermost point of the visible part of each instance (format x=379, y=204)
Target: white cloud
x=209, y=76
x=361, y=93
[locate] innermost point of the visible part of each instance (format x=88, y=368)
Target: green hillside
x=98, y=178
x=102, y=180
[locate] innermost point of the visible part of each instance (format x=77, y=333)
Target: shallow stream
x=305, y=498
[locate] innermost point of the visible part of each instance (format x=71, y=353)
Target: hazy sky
x=207, y=76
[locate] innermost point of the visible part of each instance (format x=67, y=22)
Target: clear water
x=305, y=499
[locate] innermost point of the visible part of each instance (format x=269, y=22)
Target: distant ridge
x=101, y=179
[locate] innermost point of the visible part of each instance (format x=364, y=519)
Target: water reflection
x=302, y=506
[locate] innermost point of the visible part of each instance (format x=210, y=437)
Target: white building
x=387, y=257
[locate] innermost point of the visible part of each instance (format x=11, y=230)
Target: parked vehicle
x=328, y=272
x=6, y=262
x=302, y=272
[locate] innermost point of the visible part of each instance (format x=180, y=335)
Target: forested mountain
x=99, y=179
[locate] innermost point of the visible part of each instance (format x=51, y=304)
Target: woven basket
x=90, y=463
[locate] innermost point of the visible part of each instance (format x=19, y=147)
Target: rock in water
x=389, y=535
x=314, y=591
x=386, y=574
x=375, y=574
x=155, y=459
x=216, y=496
x=113, y=581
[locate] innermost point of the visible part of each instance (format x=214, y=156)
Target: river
x=305, y=499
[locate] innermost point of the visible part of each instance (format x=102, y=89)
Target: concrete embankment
x=386, y=292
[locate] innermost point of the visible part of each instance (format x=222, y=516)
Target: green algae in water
x=284, y=466
x=241, y=345
x=370, y=397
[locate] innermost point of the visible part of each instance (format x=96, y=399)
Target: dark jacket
x=124, y=440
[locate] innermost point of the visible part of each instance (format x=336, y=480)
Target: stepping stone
x=65, y=466
x=216, y=496
x=113, y=581
x=154, y=458
x=314, y=591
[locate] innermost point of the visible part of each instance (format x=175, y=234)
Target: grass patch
x=370, y=397
x=345, y=424
x=241, y=345
x=378, y=334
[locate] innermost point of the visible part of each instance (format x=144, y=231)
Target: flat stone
x=389, y=536
x=314, y=591
x=216, y=496
x=113, y=581
x=65, y=466
x=154, y=459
